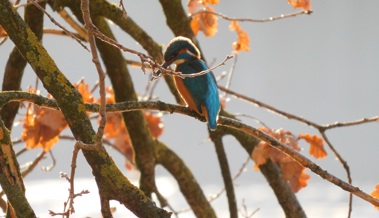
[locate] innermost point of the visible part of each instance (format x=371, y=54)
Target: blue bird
x=199, y=93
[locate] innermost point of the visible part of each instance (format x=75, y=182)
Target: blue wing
x=203, y=90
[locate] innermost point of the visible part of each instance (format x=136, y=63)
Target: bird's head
x=179, y=50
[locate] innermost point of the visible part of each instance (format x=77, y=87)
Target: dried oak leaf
x=316, y=145
x=243, y=40
x=375, y=194
x=42, y=127
x=154, y=123
x=304, y=4
x=193, y=5
x=205, y=22
x=83, y=89
x=116, y=130
x=292, y=171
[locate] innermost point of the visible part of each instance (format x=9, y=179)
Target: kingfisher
x=200, y=93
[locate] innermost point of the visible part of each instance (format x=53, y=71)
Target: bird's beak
x=165, y=65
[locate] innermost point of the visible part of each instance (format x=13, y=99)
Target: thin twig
x=81, y=31
x=148, y=62
x=60, y=33
x=121, y=5
x=282, y=16
x=230, y=75
x=56, y=23
x=32, y=165
x=52, y=165
x=191, y=75
x=95, y=59
x=245, y=212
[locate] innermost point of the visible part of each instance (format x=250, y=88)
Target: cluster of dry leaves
x=207, y=21
x=292, y=171
x=42, y=126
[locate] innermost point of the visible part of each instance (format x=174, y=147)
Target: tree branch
x=282, y=16
x=227, y=122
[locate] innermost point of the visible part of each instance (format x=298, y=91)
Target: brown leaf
x=316, y=145
x=292, y=171
x=84, y=91
x=304, y=4
x=42, y=127
x=260, y=154
x=205, y=22
x=243, y=40
x=193, y=5
x=154, y=123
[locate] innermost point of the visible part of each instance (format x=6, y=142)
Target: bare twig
x=33, y=164
x=121, y=5
x=282, y=16
x=244, y=210
x=52, y=165
x=60, y=33
x=148, y=62
x=191, y=75
x=95, y=59
x=81, y=31
x=56, y=23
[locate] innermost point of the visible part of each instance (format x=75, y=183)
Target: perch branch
x=231, y=123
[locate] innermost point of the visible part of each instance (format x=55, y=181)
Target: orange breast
x=185, y=94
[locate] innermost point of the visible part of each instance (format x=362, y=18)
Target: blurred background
x=323, y=67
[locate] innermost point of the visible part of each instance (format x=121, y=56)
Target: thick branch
x=10, y=176
x=187, y=183
x=16, y=63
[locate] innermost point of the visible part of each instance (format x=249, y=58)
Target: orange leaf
x=42, y=127
x=292, y=171
x=193, y=5
x=84, y=91
x=213, y=2
x=316, y=145
x=243, y=40
x=260, y=154
x=205, y=22
x=375, y=193
x=115, y=130
x=154, y=123
x=304, y=4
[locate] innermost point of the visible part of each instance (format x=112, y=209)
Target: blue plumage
x=200, y=93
